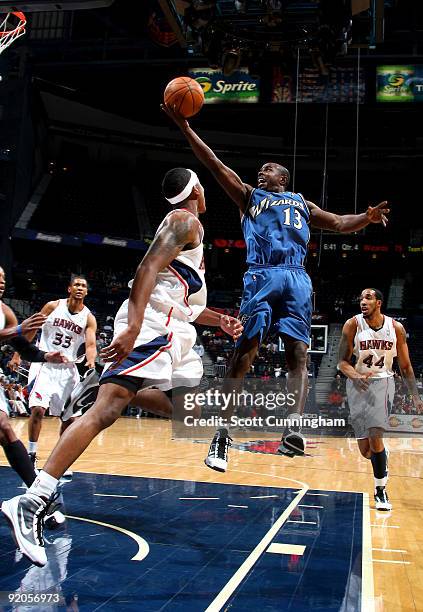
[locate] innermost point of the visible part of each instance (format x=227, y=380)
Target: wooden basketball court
x=390, y=544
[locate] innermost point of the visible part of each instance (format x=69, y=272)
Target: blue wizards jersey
x=275, y=227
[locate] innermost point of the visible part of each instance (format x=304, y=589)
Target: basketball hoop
x=11, y=28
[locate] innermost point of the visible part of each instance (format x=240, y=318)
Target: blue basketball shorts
x=276, y=298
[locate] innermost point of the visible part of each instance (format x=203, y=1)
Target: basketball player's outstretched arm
x=346, y=346
x=180, y=229
x=17, y=338
x=347, y=223
x=236, y=189
x=406, y=368
x=28, y=327
x=11, y=331
x=45, y=310
x=90, y=341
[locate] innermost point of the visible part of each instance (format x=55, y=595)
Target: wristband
x=19, y=330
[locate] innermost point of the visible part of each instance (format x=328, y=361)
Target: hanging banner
x=238, y=87
x=97, y=239
x=399, y=83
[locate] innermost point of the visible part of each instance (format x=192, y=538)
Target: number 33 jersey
x=63, y=331
x=375, y=349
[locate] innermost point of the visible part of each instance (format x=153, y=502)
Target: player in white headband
x=193, y=181
x=152, y=346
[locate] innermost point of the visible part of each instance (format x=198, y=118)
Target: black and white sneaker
x=381, y=499
x=54, y=517
x=25, y=514
x=292, y=444
x=217, y=458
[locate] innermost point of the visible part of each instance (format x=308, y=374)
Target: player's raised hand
x=377, y=214
x=55, y=357
x=33, y=323
x=180, y=121
x=231, y=326
x=120, y=348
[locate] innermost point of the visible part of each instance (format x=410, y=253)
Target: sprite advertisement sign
x=399, y=83
x=238, y=87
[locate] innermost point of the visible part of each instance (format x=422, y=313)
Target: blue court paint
x=195, y=547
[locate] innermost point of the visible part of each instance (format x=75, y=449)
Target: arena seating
x=91, y=200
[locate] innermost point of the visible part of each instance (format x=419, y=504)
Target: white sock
x=381, y=482
x=32, y=447
x=44, y=485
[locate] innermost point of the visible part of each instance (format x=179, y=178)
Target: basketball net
x=11, y=28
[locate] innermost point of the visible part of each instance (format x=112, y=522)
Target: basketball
x=184, y=95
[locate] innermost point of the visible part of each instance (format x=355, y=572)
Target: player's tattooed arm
x=406, y=368
x=346, y=224
x=237, y=190
x=180, y=229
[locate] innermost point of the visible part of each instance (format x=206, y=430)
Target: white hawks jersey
x=63, y=331
x=375, y=350
x=180, y=290
x=2, y=317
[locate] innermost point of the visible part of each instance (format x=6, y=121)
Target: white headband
x=186, y=191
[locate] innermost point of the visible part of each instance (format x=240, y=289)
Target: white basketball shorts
x=162, y=357
x=370, y=409
x=51, y=385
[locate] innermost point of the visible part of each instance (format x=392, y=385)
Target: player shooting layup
x=277, y=289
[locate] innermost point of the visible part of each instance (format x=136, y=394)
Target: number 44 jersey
x=375, y=350
x=64, y=331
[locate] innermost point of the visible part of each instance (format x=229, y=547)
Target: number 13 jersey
x=375, y=349
x=63, y=331
x=275, y=228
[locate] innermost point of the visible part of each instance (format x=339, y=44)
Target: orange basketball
x=184, y=95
